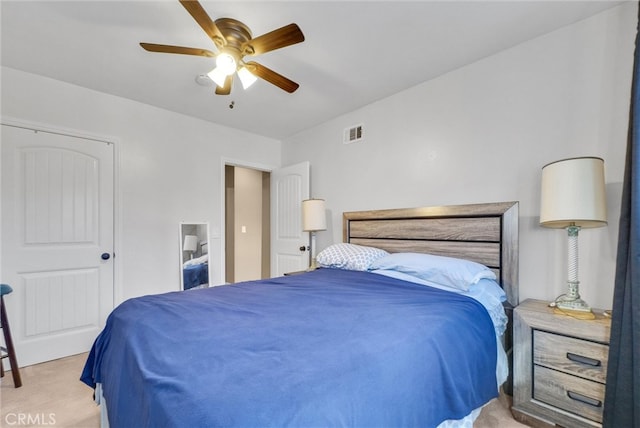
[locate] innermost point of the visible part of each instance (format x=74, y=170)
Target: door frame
x=226, y=161
x=117, y=195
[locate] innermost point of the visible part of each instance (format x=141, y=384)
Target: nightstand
x=559, y=366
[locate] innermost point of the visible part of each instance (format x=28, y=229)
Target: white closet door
x=57, y=241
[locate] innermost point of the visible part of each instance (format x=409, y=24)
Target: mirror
x=194, y=255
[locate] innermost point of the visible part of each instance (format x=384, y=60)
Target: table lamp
x=314, y=219
x=190, y=244
x=572, y=198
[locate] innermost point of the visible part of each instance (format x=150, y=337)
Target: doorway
x=247, y=224
x=277, y=193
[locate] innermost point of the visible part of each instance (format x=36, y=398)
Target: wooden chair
x=8, y=351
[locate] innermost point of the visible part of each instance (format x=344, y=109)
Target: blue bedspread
x=322, y=349
x=195, y=275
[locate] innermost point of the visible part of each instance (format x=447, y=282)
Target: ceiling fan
x=234, y=41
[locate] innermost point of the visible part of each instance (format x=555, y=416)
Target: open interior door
x=289, y=187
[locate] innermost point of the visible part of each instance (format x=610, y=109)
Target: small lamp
x=314, y=219
x=573, y=197
x=190, y=244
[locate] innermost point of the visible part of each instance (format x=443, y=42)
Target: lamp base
x=567, y=303
x=581, y=315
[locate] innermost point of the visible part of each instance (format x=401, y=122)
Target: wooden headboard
x=483, y=233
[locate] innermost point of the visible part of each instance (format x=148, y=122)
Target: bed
x=331, y=347
x=195, y=272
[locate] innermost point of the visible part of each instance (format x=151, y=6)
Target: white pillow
x=447, y=271
x=349, y=256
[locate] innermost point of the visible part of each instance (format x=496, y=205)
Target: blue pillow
x=447, y=271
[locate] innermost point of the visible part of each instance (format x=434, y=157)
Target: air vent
x=353, y=134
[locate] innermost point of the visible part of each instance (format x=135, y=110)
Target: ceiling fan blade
x=205, y=22
x=226, y=90
x=272, y=77
x=276, y=39
x=152, y=47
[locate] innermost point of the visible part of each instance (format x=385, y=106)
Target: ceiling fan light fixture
x=217, y=76
x=234, y=40
x=246, y=77
x=226, y=63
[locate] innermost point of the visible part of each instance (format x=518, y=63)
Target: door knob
x=303, y=248
x=105, y=256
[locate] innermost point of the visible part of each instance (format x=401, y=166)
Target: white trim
x=118, y=287
x=245, y=164
x=224, y=161
x=70, y=132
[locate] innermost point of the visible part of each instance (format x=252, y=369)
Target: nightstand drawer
x=573, y=394
x=570, y=355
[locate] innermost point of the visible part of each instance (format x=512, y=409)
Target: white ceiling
x=354, y=54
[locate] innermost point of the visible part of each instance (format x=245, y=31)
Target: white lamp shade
x=246, y=77
x=313, y=215
x=190, y=243
x=573, y=192
x=218, y=76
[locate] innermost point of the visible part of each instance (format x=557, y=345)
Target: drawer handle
x=584, y=360
x=584, y=399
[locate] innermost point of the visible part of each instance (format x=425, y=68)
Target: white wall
x=478, y=134
x=169, y=170
x=482, y=134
